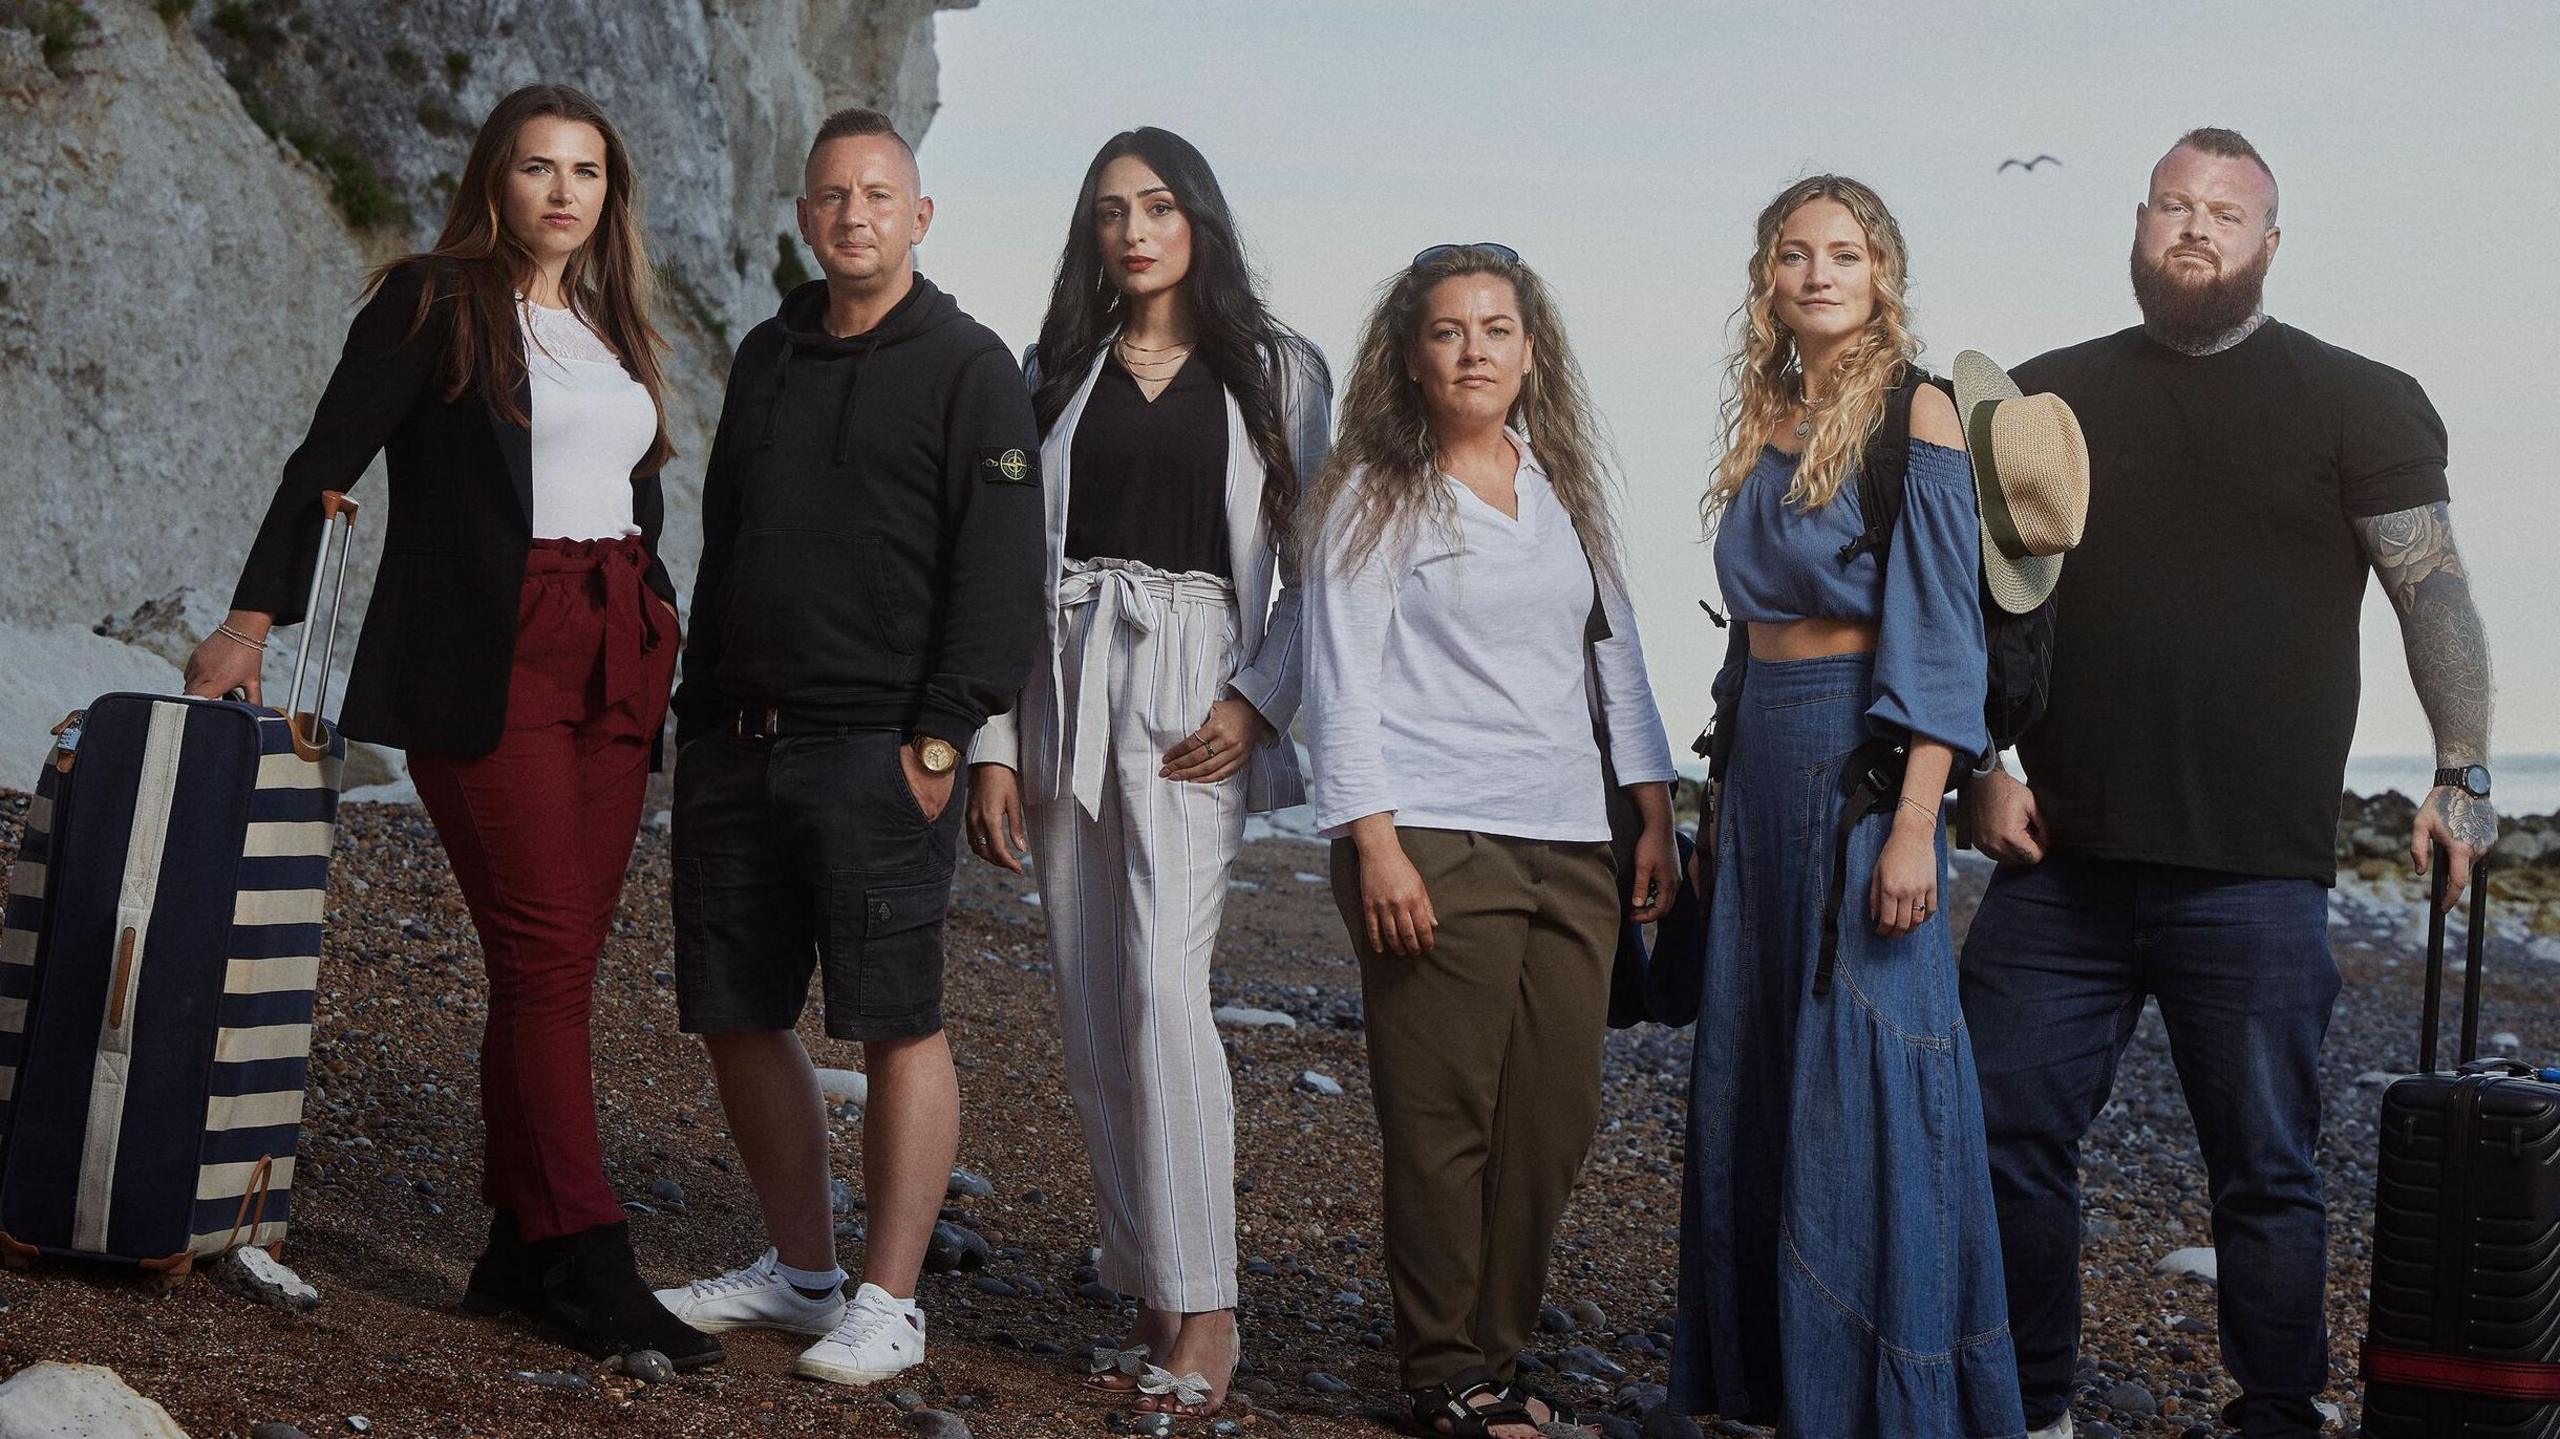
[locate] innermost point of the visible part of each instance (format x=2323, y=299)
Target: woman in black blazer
x=520, y=644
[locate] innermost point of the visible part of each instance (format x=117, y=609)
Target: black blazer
x=431, y=665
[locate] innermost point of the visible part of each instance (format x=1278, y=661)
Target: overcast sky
x=1623, y=149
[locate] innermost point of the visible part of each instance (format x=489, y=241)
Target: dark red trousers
x=540, y=833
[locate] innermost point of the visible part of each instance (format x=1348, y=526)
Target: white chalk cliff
x=190, y=194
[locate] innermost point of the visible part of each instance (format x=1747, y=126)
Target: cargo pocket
x=899, y=929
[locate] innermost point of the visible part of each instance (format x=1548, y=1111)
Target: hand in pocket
x=932, y=791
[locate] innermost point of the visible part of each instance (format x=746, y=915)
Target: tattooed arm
x=2412, y=551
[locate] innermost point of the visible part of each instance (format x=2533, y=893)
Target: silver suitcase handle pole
x=310, y=733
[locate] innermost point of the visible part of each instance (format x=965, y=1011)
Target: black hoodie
x=871, y=526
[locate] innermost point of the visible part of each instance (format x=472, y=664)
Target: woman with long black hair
x=520, y=644
x=1178, y=421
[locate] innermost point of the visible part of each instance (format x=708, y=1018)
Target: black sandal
x=1447, y=1403
x=1559, y=1413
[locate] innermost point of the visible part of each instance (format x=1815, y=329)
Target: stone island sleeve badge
x=1012, y=466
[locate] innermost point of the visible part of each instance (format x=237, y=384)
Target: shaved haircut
x=2231, y=145
x=856, y=122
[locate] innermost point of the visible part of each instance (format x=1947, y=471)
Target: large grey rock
x=261, y=1276
x=2522, y=847
x=1242, y=1016
x=79, y=1401
x=47, y=673
x=844, y=1086
x=2202, y=1263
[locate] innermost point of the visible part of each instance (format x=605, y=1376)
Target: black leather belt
x=770, y=722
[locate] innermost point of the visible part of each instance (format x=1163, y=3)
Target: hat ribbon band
x=1994, y=499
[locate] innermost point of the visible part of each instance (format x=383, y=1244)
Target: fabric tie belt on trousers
x=621, y=568
x=1122, y=592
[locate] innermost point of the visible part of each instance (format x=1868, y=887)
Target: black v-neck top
x=1148, y=480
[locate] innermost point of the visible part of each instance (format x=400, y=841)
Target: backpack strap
x=1885, y=465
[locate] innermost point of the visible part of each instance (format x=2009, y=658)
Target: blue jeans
x=2055, y=970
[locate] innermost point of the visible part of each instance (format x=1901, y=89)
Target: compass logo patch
x=1009, y=467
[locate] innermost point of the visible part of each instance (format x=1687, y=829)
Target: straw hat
x=2030, y=476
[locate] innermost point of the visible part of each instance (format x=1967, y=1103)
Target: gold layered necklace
x=1150, y=363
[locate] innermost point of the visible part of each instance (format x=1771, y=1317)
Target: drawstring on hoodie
x=844, y=416
x=860, y=356
x=781, y=387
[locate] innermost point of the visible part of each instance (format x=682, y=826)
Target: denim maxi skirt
x=1839, y=1259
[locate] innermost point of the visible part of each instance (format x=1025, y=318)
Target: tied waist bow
x=632, y=630
x=1121, y=593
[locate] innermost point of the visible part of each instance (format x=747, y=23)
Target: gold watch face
x=938, y=756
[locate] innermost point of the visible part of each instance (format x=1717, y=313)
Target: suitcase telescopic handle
x=2441, y=876
x=310, y=732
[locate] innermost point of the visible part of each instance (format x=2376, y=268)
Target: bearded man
x=2172, y=838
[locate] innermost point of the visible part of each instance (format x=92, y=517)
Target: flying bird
x=2026, y=164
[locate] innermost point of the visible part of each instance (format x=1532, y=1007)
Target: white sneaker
x=2058, y=1429
x=880, y=1335
x=755, y=1297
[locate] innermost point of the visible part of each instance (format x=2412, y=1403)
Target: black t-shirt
x=2205, y=649
x=1149, y=477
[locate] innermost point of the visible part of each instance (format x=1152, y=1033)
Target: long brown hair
x=1762, y=382
x=480, y=267
x=1386, y=439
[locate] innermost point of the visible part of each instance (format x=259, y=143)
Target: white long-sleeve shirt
x=1446, y=680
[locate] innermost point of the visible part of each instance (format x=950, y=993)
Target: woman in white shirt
x=1465, y=594
x=520, y=645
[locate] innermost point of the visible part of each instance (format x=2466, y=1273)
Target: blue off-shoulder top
x=1776, y=562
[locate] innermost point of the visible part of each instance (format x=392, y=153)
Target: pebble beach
x=386, y=1222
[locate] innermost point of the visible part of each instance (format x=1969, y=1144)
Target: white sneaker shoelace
x=758, y=1275
x=862, y=1324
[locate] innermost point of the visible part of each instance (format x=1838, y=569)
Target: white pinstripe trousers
x=1132, y=889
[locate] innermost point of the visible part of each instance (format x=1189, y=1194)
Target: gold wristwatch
x=936, y=755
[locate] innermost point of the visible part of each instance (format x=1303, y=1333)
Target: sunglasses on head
x=1505, y=253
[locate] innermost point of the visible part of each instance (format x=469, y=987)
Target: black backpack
x=2020, y=646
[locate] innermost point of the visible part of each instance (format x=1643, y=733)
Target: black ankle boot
x=594, y=1301
x=504, y=1279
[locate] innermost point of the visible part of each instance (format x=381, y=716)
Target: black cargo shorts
x=801, y=852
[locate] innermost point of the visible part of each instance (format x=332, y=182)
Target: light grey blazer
x=1029, y=738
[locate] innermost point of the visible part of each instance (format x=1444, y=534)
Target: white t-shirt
x=592, y=423
x=1446, y=679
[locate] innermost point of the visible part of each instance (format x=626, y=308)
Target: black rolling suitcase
x=159, y=953
x=2463, y=1341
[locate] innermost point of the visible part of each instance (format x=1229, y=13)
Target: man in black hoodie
x=869, y=594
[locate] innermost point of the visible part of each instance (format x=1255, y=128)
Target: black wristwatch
x=2471, y=779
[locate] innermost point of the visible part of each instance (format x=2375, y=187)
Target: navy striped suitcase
x=159, y=952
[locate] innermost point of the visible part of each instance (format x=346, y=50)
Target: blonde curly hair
x=1762, y=379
